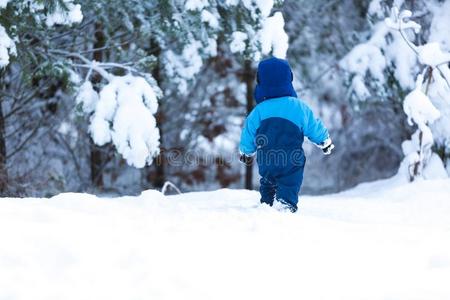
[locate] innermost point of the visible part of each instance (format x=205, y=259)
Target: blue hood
x=274, y=80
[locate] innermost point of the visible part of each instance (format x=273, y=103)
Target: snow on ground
x=378, y=241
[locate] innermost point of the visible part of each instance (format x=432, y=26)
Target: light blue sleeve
x=251, y=125
x=314, y=128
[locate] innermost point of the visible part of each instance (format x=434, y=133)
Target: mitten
x=326, y=146
x=246, y=159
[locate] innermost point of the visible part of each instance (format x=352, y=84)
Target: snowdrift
x=378, y=241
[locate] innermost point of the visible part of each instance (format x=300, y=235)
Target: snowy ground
x=378, y=241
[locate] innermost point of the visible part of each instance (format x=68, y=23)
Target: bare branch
x=168, y=184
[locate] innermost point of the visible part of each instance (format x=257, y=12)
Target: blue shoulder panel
x=289, y=108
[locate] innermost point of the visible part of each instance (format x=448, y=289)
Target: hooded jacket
x=274, y=80
x=278, y=124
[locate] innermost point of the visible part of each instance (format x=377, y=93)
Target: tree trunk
x=97, y=158
x=156, y=174
x=159, y=177
x=249, y=81
x=3, y=168
x=419, y=166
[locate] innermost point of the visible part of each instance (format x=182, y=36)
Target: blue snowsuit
x=275, y=130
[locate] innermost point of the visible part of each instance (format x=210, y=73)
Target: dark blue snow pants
x=281, y=183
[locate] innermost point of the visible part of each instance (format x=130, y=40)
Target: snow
x=404, y=59
x=418, y=107
x=439, y=90
x=402, y=21
x=375, y=9
x=440, y=25
x=237, y=44
x=65, y=12
x=211, y=47
x=7, y=47
x=359, y=87
x=439, y=93
x=3, y=3
x=196, y=4
x=375, y=55
x=431, y=54
x=362, y=59
x=68, y=130
x=257, y=34
x=65, y=16
x=257, y=8
x=183, y=67
x=265, y=6
x=273, y=37
x=87, y=97
x=232, y=2
x=124, y=115
x=421, y=111
x=391, y=46
x=384, y=48
x=382, y=240
x=210, y=19
x=435, y=168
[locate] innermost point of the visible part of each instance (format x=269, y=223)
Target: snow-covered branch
x=400, y=22
x=391, y=53
x=417, y=105
x=7, y=47
x=123, y=113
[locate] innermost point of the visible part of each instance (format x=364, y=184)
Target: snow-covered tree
x=206, y=76
x=390, y=64
x=101, y=60
x=196, y=26
x=198, y=58
x=136, y=138
x=419, y=107
x=27, y=30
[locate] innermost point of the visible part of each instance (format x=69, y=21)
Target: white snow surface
x=382, y=240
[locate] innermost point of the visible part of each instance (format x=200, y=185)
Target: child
x=275, y=130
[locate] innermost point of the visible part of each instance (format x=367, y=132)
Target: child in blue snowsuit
x=275, y=130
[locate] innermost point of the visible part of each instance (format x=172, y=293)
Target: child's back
x=275, y=130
